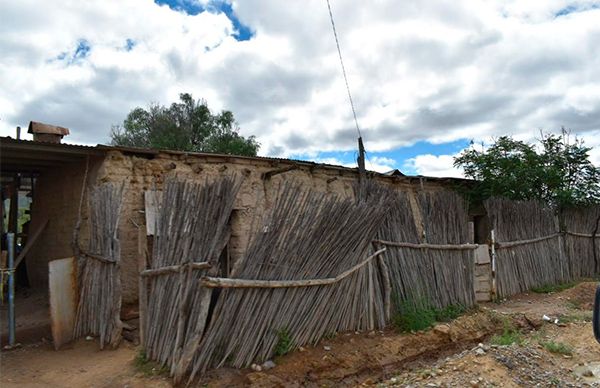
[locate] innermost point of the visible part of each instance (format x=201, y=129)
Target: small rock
x=442, y=329
x=479, y=351
x=256, y=368
x=301, y=349
x=89, y=338
x=268, y=365
x=588, y=373
x=474, y=383
x=433, y=385
x=327, y=348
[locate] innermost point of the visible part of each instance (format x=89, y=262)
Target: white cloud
x=432, y=165
x=429, y=70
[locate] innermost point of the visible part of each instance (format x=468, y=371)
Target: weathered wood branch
x=96, y=257
x=30, y=242
x=510, y=244
x=582, y=235
x=269, y=174
x=174, y=269
x=212, y=282
x=449, y=247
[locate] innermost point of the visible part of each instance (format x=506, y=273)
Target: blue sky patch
x=241, y=31
x=129, y=44
x=400, y=155
x=573, y=8
x=82, y=51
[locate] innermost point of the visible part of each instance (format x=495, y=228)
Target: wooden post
x=493, y=254
x=13, y=215
x=362, y=173
x=142, y=282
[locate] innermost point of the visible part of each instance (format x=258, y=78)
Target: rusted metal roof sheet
x=37, y=127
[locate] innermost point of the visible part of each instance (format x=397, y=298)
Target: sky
x=427, y=77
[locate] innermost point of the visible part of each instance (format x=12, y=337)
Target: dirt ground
x=32, y=310
x=460, y=353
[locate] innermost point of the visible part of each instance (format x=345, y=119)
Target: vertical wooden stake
x=493, y=251
x=143, y=289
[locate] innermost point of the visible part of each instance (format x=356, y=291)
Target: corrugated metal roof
x=50, y=154
x=35, y=156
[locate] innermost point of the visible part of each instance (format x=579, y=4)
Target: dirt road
x=545, y=354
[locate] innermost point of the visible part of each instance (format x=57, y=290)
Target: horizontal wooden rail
x=582, y=235
x=97, y=257
x=174, y=269
x=448, y=247
x=511, y=244
x=211, y=282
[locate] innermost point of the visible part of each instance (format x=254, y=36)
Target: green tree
x=557, y=170
x=186, y=125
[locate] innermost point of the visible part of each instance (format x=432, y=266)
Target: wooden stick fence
x=438, y=271
x=526, y=260
x=308, y=237
x=99, y=306
x=192, y=222
x=581, y=244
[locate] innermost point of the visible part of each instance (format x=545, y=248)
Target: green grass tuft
x=548, y=288
x=148, y=367
x=557, y=347
x=449, y=313
x=509, y=335
x=284, y=342
x=415, y=315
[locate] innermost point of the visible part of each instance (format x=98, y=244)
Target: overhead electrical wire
x=337, y=43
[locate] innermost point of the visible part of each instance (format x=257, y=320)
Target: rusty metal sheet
x=152, y=201
x=37, y=127
x=62, y=281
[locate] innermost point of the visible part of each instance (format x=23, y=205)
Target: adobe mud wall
x=255, y=198
x=56, y=197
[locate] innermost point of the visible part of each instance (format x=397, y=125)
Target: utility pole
x=362, y=173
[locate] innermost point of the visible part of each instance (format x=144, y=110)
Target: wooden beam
x=31, y=241
x=267, y=175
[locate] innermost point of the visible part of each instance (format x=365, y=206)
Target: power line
x=337, y=43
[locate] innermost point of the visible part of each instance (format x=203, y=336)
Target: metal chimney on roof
x=47, y=133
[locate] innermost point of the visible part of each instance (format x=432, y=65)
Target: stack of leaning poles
x=99, y=305
x=429, y=258
x=582, y=240
x=299, y=280
x=191, y=232
x=528, y=246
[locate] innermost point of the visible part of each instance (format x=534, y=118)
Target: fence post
x=493, y=254
x=565, y=268
x=10, y=240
